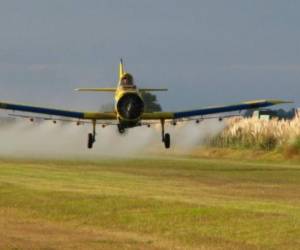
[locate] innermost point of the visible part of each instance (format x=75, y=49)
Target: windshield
x=127, y=81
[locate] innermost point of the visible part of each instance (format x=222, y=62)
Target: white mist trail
x=65, y=140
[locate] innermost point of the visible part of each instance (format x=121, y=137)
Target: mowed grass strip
x=156, y=203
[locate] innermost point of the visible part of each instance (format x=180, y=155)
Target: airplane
x=129, y=110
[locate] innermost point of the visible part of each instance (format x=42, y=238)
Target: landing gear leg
x=166, y=139
x=92, y=136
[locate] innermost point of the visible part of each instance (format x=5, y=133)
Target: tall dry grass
x=259, y=134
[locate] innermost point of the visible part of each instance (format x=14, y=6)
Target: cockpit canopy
x=127, y=81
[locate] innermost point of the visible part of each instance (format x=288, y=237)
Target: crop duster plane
x=129, y=110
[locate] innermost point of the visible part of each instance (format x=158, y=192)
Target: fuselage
x=129, y=103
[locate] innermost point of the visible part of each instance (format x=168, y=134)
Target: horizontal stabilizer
x=97, y=89
x=114, y=89
x=145, y=90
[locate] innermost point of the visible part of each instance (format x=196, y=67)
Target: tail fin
x=121, y=69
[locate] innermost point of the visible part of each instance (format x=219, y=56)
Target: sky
x=205, y=52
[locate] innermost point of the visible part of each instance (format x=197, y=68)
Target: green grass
x=155, y=203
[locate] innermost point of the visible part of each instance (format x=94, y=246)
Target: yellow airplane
x=129, y=109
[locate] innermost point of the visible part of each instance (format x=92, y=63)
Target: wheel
x=91, y=140
x=167, y=140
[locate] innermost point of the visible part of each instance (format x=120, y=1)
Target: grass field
x=154, y=203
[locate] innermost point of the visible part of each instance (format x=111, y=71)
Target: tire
x=167, y=140
x=90, y=140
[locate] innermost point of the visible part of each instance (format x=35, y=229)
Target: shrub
x=259, y=134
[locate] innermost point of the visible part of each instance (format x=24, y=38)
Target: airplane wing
x=59, y=112
x=212, y=110
x=146, y=116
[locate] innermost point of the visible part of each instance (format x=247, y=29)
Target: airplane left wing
x=59, y=112
x=212, y=110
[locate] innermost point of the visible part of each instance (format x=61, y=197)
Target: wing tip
x=271, y=101
x=278, y=101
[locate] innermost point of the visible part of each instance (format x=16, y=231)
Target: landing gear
x=92, y=136
x=166, y=138
x=91, y=140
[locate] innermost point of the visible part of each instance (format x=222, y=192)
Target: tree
x=107, y=107
x=150, y=101
x=151, y=104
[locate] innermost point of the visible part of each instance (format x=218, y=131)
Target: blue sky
x=205, y=52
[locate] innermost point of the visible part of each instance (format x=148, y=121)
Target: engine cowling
x=130, y=106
